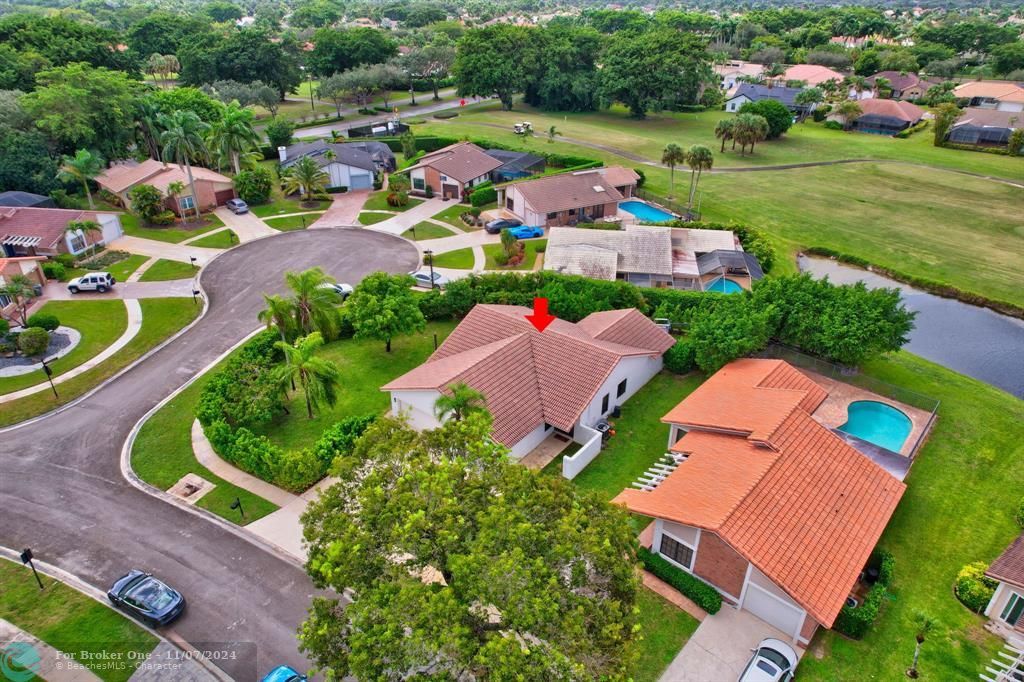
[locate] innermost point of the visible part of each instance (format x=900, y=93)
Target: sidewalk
x=211, y=460
x=406, y=219
x=38, y=656
x=134, y=325
x=155, y=249
x=246, y=226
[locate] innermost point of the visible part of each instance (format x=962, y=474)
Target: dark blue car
x=283, y=673
x=526, y=231
x=142, y=596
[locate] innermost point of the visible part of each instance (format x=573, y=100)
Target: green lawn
x=369, y=218
x=451, y=215
x=224, y=239
x=365, y=367
x=460, y=259
x=294, y=110
x=425, y=230
x=178, y=232
x=162, y=455
x=120, y=270
x=492, y=250
x=161, y=317
x=665, y=629
x=378, y=201
x=71, y=622
x=293, y=222
x=165, y=269
x=283, y=206
x=100, y=323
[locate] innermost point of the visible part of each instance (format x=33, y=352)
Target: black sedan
x=496, y=226
x=142, y=596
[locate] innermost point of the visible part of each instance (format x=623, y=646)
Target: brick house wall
x=808, y=629
x=719, y=564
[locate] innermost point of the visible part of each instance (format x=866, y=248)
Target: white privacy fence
x=574, y=464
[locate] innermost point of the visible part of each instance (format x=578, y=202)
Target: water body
x=968, y=339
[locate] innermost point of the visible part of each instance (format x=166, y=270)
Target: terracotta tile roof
x=561, y=192
x=637, y=249
x=125, y=175
x=1009, y=567
x=463, y=161
x=47, y=224
x=528, y=377
x=900, y=81
x=904, y=111
x=619, y=176
x=1002, y=91
x=812, y=74
x=786, y=493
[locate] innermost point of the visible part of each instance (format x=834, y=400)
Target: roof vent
x=598, y=188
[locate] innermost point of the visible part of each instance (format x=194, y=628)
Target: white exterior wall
x=591, y=441
x=520, y=209
x=735, y=103
x=341, y=174
x=111, y=226
x=998, y=602
x=1010, y=106
x=636, y=370
x=761, y=593
x=418, y=174
x=529, y=442
x=417, y=407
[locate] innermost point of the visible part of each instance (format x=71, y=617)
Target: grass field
x=161, y=317
x=665, y=629
x=425, y=230
x=162, y=454
x=378, y=201
x=173, y=234
x=365, y=367
x=293, y=222
x=99, y=322
x=451, y=215
x=460, y=259
x=164, y=270
x=224, y=239
x=71, y=622
x=372, y=217
x=120, y=270
x=530, y=257
x=283, y=206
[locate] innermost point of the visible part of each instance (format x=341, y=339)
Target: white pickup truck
x=94, y=281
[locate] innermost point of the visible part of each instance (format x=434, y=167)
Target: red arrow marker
x=540, y=317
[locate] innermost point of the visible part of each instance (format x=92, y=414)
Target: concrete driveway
x=720, y=647
x=58, y=291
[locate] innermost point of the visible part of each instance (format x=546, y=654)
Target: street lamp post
x=430, y=259
x=309, y=75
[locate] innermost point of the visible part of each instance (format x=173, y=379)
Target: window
x=4, y=301
x=552, y=216
x=419, y=183
x=1012, y=610
x=676, y=551
x=604, y=403
x=509, y=204
x=186, y=203
x=77, y=242
x=621, y=389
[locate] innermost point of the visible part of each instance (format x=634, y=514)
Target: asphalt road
x=63, y=495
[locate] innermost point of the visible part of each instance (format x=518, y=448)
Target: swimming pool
x=877, y=423
x=724, y=286
x=646, y=212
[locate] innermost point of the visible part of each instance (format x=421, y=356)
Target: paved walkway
x=211, y=460
x=58, y=291
x=32, y=653
x=246, y=226
x=141, y=270
x=155, y=249
x=344, y=210
x=134, y=325
x=406, y=219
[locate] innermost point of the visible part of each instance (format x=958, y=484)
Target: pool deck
x=832, y=412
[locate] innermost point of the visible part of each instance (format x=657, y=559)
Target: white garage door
x=771, y=610
x=361, y=181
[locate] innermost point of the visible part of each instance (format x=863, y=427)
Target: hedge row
x=973, y=588
x=430, y=143
x=916, y=128
x=702, y=594
x=856, y=621
x=1002, y=151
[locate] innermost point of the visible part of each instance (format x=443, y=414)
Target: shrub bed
x=916, y=128
x=856, y=621
x=971, y=148
x=446, y=114
x=44, y=320
x=54, y=270
x=973, y=588
x=702, y=594
x=103, y=260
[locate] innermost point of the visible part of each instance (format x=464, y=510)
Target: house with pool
x=764, y=496
x=676, y=258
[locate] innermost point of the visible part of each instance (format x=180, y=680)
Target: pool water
x=724, y=286
x=646, y=212
x=877, y=423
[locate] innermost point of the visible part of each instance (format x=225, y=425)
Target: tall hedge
x=702, y=594
x=855, y=621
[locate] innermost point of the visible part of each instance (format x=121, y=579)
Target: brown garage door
x=223, y=195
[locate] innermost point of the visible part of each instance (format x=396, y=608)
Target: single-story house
x=621, y=178
x=1007, y=604
x=26, y=199
x=346, y=165
x=562, y=380
x=680, y=258
x=735, y=69
x=764, y=503
x=884, y=116
x=903, y=85
x=515, y=165
x=811, y=74
x=755, y=92
x=213, y=188
x=43, y=231
x=985, y=127
x=452, y=171
x=29, y=266
x=1000, y=95
x=566, y=198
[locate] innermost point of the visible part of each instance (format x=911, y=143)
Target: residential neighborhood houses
x=212, y=188
x=44, y=231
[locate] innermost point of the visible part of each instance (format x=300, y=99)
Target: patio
x=545, y=453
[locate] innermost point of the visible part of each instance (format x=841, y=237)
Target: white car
x=95, y=281
x=422, y=278
x=341, y=289
x=773, y=661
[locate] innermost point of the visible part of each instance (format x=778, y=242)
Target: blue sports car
x=283, y=673
x=526, y=231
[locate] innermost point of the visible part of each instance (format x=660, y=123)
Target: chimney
x=282, y=154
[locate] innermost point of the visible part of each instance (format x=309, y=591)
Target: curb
x=76, y=583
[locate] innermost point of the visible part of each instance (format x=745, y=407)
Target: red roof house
x=28, y=231
x=770, y=507
x=1006, y=607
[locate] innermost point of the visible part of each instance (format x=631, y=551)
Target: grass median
x=164, y=270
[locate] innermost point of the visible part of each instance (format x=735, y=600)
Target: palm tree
x=699, y=158
x=883, y=85
x=82, y=167
x=553, y=132
x=750, y=129
x=314, y=302
x=858, y=83
x=21, y=292
x=280, y=314
x=723, y=131
x=924, y=624
x=459, y=402
x=79, y=228
x=673, y=154
x=233, y=134
x=155, y=64
x=850, y=111
x=319, y=378
x=305, y=177
x=146, y=121
x=182, y=140
x=174, y=190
